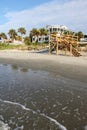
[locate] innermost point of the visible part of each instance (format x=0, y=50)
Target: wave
x=34, y=112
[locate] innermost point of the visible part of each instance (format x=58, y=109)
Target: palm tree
x=68, y=32
x=3, y=35
x=34, y=32
x=12, y=34
x=22, y=31
x=18, y=38
x=80, y=35
x=43, y=31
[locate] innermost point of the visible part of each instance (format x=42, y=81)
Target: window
x=33, y=39
x=39, y=39
x=54, y=29
x=50, y=29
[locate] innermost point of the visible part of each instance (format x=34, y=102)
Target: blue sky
x=39, y=13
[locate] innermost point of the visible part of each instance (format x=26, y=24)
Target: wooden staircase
x=68, y=41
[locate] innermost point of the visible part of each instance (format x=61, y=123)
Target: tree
x=68, y=32
x=12, y=34
x=3, y=35
x=18, y=38
x=22, y=31
x=80, y=35
x=43, y=31
x=34, y=32
x=27, y=40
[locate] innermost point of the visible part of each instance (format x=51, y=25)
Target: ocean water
x=39, y=100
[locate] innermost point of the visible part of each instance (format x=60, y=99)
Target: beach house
x=60, y=29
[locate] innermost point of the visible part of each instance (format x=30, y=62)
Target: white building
x=51, y=29
x=83, y=39
x=40, y=39
x=56, y=28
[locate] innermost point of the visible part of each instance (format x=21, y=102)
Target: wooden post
x=62, y=50
x=65, y=50
x=49, y=44
x=56, y=45
x=49, y=47
x=86, y=48
x=57, y=48
x=71, y=49
x=77, y=42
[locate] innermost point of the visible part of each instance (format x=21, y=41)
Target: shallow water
x=39, y=100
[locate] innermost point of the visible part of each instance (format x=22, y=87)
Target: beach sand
x=66, y=66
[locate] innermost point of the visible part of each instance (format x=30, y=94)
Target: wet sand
x=67, y=66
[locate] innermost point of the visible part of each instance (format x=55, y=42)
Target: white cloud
x=70, y=13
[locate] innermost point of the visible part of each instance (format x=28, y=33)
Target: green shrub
x=27, y=41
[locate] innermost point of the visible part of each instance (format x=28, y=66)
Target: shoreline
x=67, y=66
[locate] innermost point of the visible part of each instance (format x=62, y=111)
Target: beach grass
x=4, y=46
x=32, y=46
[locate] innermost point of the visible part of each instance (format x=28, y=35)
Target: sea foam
x=34, y=112
x=4, y=126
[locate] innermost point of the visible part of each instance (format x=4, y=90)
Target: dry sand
x=66, y=66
